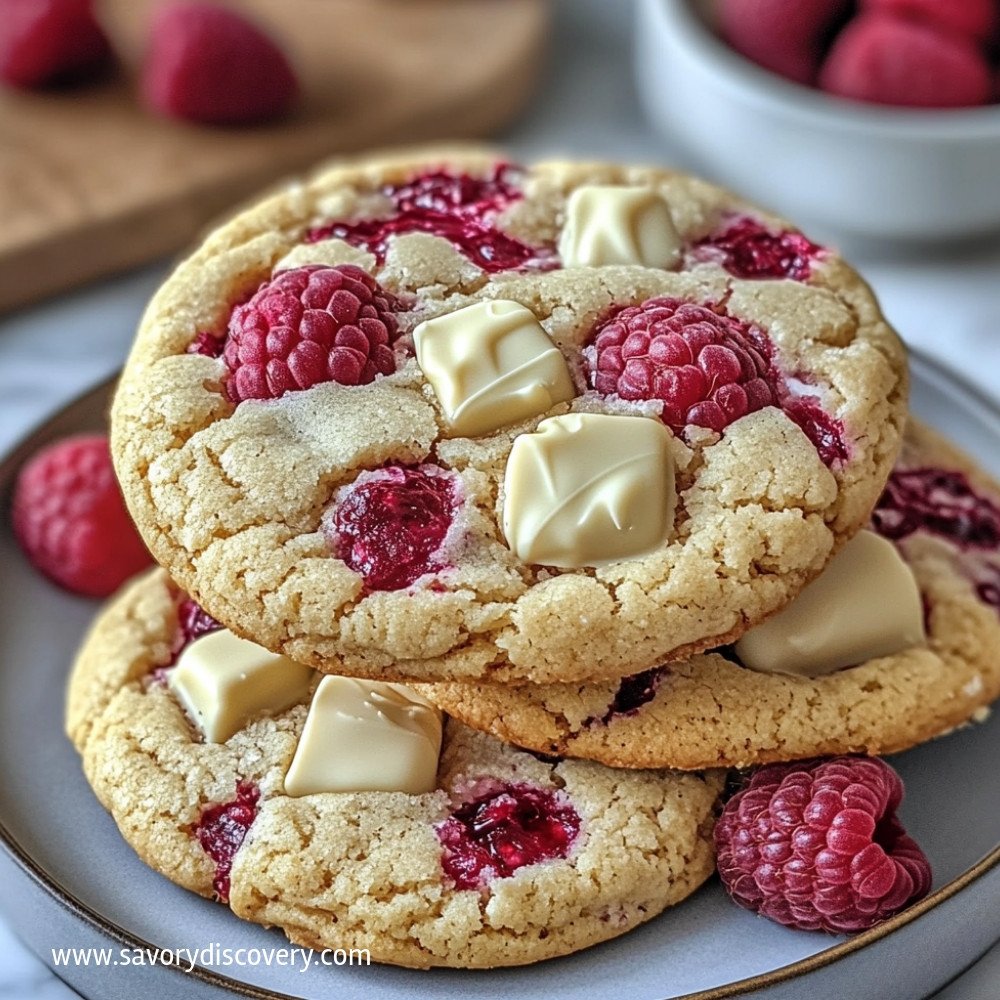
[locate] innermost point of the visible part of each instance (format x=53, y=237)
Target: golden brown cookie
x=295, y=467
x=572, y=853
x=943, y=512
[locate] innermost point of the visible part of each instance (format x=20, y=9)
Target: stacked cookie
x=489, y=500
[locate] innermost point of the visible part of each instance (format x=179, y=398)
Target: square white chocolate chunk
x=609, y=224
x=491, y=364
x=362, y=736
x=866, y=604
x=224, y=681
x=587, y=488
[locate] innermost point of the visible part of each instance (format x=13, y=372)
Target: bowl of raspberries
x=871, y=118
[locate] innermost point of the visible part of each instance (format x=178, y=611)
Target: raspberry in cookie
x=355, y=817
x=899, y=655
x=764, y=382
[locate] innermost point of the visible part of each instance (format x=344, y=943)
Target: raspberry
x=207, y=344
x=887, y=59
x=503, y=830
x=748, y=249
x=941, y=502
x=389, y=525
x=456, y=207
x=310, y=325
x=50, y=41
x=708, y=368
x=209, y=64
x=786, y=38
x=816, y=845
x=221, y=830
x=633, y=692
x=70, y=519
x=974, y=18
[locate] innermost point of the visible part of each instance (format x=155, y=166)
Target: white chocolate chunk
x=589, y=488
x=866, y=604
x=224, y=681
x=364, y=736
x=608, y=224
x=491, y=364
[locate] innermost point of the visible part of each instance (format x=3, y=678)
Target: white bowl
x=883, y=173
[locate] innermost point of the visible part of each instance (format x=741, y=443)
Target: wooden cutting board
x=90, y=183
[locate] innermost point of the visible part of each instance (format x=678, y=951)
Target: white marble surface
x=944, y=302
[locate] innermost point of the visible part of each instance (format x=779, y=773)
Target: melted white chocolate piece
x=364, y=736
x=866, y=604
x=589, y=488
x=609, y=224
x=491, y=364
x=224, y=681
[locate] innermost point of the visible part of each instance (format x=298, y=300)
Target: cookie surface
x=366, y=869
x=246, y=501
x=707, y=711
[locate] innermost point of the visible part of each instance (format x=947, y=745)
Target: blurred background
x=870, y=124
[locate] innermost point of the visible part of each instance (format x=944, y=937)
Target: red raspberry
x=390, y=524
x=748, y=249
x=207, y=63
x=974, y=18
x=70, y=519
x=887, y=59
x=708, y=368
x=816, y=845
x=50, y=41
x=786, y=38
x=221, y=830
x=503, y=830
x=310, y=325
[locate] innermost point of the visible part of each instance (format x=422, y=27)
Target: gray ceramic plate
x=70, y=881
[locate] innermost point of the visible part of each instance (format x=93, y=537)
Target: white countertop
x=944, y=302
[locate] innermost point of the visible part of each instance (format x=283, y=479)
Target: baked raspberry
x=209, y=64
x=456, y=207
x=888, y=59
x=706, y=366
x=208, y=344
x=70, y=519
x=816, y=845
x=973, y=18
x=389, y=525
x=746, y=248
x=988, y=585
x=50, y=41
x=193, y=621
x=309, y=325
x=941, y=502
x=786, y=38
x=221, y=830
x=633, y=692
x=503, y=830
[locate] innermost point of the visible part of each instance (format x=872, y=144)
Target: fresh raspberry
x=456, y=207
x=221, y=830
x=708, y=368
x=209, y=64
x=974, y=18
x=887, y=59
x=816, y=845
x=309, y=325
x=786, y=38
x=50, y=41
x=389, y=525
x=71, y=521
x=503, y=830
x=748, y=249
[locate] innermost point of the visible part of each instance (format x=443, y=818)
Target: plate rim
x=933, y=370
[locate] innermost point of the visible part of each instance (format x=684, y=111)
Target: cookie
x=943, y=514
x=338, y=415
x=570, y=853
